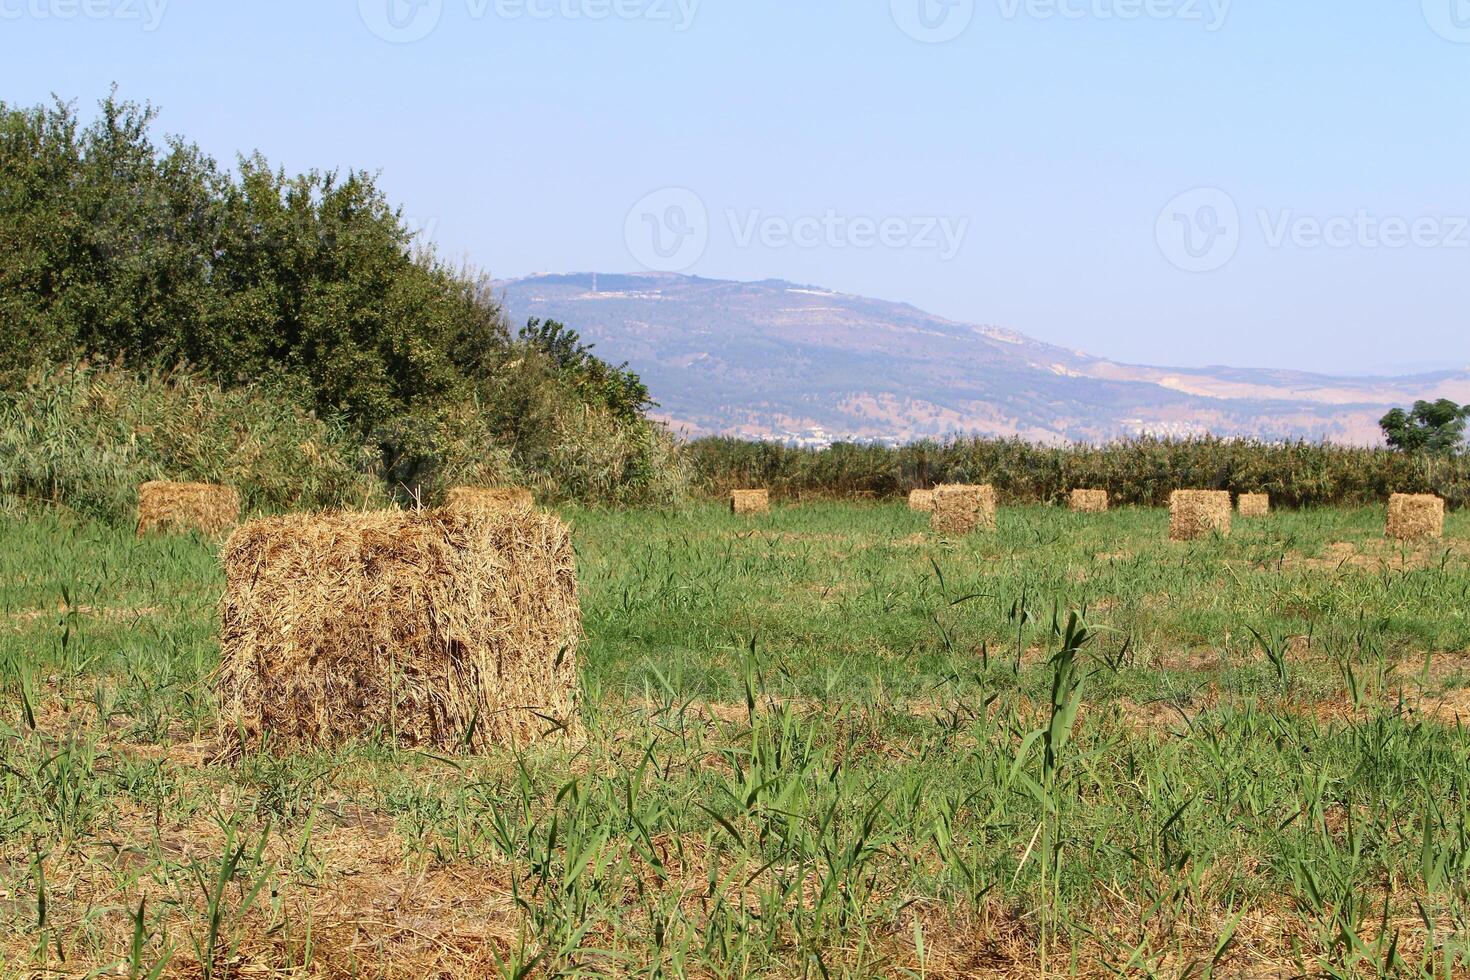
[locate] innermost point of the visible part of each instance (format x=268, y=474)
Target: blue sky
x=1250, y=182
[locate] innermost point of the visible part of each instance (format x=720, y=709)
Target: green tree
x=1435, y=427
x=146, y=255
x=613, y=387
x=309, y=286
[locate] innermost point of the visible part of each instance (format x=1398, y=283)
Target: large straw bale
x=1089, y=501
x=488, y=500
x=1415, y=516
x=922, y=501
x=1199, y=514
x=750, y=501
x=961, y=509
x=439, y=629
x=1255, y=505
x=202, y=507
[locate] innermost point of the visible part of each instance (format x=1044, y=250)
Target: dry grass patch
x=922, y=501
x=437, y=629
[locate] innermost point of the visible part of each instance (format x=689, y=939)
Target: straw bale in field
x=202, y=507
x=488, y=500
x=922, y=501
x=1089, y=501
x=1415, y=516
x=439, y=629
x=750, y=501
x=1255, y=505
x=1199, y=514
x=961, y=509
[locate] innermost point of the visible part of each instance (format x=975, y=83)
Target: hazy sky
x=1256, y=182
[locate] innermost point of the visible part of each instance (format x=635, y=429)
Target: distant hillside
x=776, y=360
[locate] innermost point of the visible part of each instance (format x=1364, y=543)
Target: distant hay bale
x=1199, y=514
x=750, y=501
x=439, y=629
x=488, y=500
x=1089, y=501
x=1415, y=516
x=202, y=507
x=961, y=509
x=1255, y=505
x=922, y=501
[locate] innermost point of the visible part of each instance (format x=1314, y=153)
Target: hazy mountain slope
x=773, y=359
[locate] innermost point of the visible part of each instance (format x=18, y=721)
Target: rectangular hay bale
x=488, y=500
x=1254, y=505
x=1089, y=501
x=1198, y=514
x=922, y=501
x=439, y=629
x=1415, y=516
x=204, y=507
x=962, y=509
x=750, y=501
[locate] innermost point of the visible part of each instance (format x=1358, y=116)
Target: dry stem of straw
x=438, y=629
x=1415, y=516
x=961, y=509
x=1199, y=514
x=202, y=507
x=1089, y=501
x=750, y=501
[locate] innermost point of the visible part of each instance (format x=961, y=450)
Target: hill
x=777, y=360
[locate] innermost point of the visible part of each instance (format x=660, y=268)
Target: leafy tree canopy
x=147, y=254
x=310, y=285
x=1435, y=427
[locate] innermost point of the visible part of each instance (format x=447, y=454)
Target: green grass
x=821, y=743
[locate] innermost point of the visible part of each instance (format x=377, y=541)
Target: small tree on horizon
x=1434, y=427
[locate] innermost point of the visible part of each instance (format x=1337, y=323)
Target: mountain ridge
x=778, y=360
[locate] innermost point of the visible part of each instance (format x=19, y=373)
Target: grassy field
x=821, y=743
